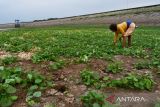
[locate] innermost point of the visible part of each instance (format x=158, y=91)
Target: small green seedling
x=89, y=77
x=84, y=59
x=142, y=65
x=136, y=81
x=95, y=99
x=9, y=60
x=43, y=56
x=49, y=105
x=157, y=104
x=114, y=67
x=57, y=65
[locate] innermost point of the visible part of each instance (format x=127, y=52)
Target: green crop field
x=40, y=66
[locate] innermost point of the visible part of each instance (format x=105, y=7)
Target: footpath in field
x=78, y=66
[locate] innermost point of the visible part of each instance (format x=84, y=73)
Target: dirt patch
x=68, y=86
x=25, y=55
x=27, y=65
x=77, y=90
x=144, y=71
x=127, y=61
x=4, y=54
x=21, y=55
x=71, y=72
x=21, y=93
x=28, y=55
x=67, y=90
x=68, y=80
x=98, y=65
x=73, y=69
x=60, y=87
x=62, y=95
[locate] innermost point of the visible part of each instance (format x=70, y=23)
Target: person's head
x=113, y=27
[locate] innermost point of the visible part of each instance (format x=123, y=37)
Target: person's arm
x=124, y=38
x=115, y=38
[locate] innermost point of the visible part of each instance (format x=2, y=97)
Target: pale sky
x=29, y=10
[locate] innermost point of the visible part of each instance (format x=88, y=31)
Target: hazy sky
x=28, y=10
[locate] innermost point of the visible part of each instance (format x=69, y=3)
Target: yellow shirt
x=121, y=28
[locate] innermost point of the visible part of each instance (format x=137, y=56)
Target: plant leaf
x=37, y=94
x=96, y=105
x=29, y=76
x=37, y=81
x=14, y=97
x=10, y=89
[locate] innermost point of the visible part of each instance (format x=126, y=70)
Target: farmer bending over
x=126, y=29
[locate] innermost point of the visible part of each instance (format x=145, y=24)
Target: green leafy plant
x=84, y=58
x=67, y=42
x=142, y=65
x=6, y=95
x=9, y=60
x=57, y=65
x=35, y=78
x=33, y=97
x=143, y=82
x=37, y=83
x=89, y=77
x=157, y=104
x=155, y=63
x=12, y=77
x=49, y=105
x=95, y=99
x=114, y=67
x=43, y=55
x=8, y=78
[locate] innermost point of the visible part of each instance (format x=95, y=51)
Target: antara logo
x=131, y=99
x=112, y=99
